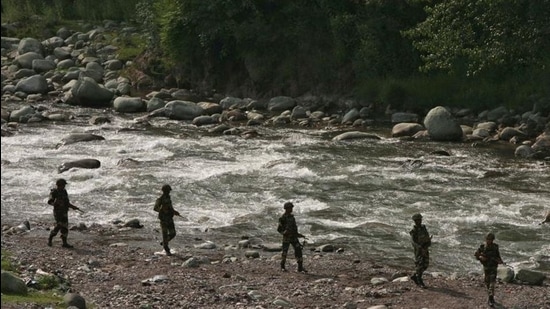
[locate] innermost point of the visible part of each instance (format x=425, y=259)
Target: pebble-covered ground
x=124, y=268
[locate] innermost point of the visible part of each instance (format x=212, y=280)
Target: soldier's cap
x=61, y=181
x=166, y=188
x=288, y=205
x=490, y=236
x=417, y=217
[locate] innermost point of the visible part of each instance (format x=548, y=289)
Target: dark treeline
x=405, y=53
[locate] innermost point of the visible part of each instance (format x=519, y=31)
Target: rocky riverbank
x=42, y=76
x=124, y=267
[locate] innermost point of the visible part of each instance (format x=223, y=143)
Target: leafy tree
x=475, y=36
x=288, y=46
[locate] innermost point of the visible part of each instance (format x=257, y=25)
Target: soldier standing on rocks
x=421, y=241
x=489, y=256
x=59, y=199
x=288, y=228
x=166, y=211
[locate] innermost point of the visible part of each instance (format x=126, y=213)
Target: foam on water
x=357, y=193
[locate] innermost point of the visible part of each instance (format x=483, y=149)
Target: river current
x=355, y=194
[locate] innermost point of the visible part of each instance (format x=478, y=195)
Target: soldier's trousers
x=421, y=261
x=168, y=230
x=297, y=249
x=61, y=225
x=490, y=279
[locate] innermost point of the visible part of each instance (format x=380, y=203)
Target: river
x=356, y=194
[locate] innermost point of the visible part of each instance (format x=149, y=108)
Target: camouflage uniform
x=166, y=211
x=492, y=257
x=421, y=241
x=288, y=228
x=59, y=199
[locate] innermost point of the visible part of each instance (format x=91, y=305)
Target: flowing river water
x=355, y=194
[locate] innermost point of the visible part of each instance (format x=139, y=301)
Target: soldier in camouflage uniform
x=489, y=256
x=288, y=228
x=166, y=211
x=421, y=241
x=59, y=199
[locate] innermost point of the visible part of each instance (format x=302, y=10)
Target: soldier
x=489, y=256
x=163, y=206
x=421, y=241
x=287, y=227
x=59, y=199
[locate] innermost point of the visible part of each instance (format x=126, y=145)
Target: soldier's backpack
x=157, y=205
x=53, y=197
x=280, y=227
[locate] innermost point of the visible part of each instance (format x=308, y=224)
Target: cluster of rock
x=530, y=131
x=82, y=69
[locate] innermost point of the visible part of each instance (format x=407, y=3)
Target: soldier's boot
x=414, y=278
x=167, y=250
x=50, y=239
x=491, y=300
x=283, y=268
x=65, y=243
x=421, y=282
x=301, y=268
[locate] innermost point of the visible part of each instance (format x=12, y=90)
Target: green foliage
x=53, y=11
x=47, y=282
x=7, y=262
x=469, y=37
x=288, y=44
x=41, y=298
x=394, y=94
x=130, y=46
x=420, y=93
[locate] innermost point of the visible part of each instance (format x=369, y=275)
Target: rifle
x=487, y=259
x=179, y=215
x=78, y=209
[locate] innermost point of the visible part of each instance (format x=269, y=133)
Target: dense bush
x=407, y=54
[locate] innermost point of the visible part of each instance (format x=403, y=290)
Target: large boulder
x=182, y=110
x=281, y=103
x=508, y=133
x=530, y=276
x=12, y=284
x=406, y=129
x=33, y=84
x=542, y=143
x=505, y=274
x=30, y=45
x=25, y=60
x=129, y=105
x=24, y=112
x=74, y=300
x=87, y=92
x=232, y=102
x=442, y=126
